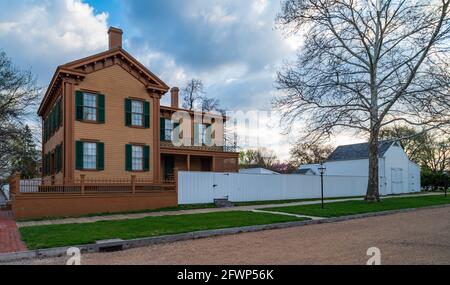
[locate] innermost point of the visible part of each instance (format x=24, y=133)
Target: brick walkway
x=9, y=235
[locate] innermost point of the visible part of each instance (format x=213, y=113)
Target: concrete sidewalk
x=185, y=212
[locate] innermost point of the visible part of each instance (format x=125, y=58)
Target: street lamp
x=322, y=169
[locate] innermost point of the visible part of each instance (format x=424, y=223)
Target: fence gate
x=221, y=185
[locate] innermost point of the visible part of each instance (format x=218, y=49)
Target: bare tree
x=18, y=94
x=192, y=93
x=308, y=153
x=261, y=157
x=367, y=64
x=211, y=104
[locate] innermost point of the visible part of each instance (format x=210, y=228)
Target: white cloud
x=44, y=34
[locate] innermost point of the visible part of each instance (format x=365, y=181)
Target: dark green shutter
x=79, y=155
x=58, y=158
x=100, y=156
x=59, y=113
x=79, y=105
x=196, y=134
x=127, y=112
x=146, y=158
x=101, y=108
x=162, y=127
x=45, y=130
x=128, y=157
x=147, y=115
x=208, y=135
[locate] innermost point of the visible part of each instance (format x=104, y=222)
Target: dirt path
x=420, y=237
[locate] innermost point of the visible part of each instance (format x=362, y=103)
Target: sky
x=233, y=46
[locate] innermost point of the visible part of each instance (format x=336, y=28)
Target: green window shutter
x=147, y=115
x=47, y=164
x=127, y=112
x=79, y=155
x=146, y=158
x=59, y=113
x=60, y=158
x=45, y=130
x=79, y=105
x=100, y=156
x=196, y=134
x=101, y=108
x=162, y=126
x=128, y=157
x=57, y=158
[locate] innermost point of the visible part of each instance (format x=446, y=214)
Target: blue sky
x=232, y=45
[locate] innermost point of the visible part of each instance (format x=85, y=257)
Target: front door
x=169, y=165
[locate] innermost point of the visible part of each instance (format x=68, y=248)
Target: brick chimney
x=115, y=38
x=174, y=97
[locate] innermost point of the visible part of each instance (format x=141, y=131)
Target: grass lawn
x=255, y=203
x=78, y=234
x=336, y=209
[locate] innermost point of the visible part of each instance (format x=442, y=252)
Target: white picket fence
x=204, y=187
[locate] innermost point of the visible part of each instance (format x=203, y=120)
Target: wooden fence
x=84, y=195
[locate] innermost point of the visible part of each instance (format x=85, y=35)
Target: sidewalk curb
x=141, y=242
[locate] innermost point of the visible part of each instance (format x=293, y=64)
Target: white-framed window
x=137, y=113
x=89, y=155
x=202, y=133
x=168, y=130
x=137, y=158
x=89, y=107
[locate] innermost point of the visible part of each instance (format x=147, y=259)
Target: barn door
x=396, y=180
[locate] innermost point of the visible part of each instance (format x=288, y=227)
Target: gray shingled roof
x=302, y=171
x=357, y=151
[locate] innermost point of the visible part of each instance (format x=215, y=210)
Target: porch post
x=188, y=162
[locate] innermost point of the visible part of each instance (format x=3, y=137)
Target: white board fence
x=204, y=187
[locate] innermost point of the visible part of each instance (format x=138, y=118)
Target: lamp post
x=322, y=169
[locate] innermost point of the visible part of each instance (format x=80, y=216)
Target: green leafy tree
x=25, y=156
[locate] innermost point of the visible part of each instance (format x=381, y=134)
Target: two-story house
x=102, y=118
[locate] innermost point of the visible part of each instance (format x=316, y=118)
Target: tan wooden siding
x=116, y=84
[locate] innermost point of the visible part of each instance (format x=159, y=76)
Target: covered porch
x=196, y=161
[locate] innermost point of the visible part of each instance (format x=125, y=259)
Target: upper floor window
x=202, y=128
x=168, y=130
x=89, y=107
x=137, y=113
x=202, y=134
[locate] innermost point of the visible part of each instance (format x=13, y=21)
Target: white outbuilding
x=397, y=174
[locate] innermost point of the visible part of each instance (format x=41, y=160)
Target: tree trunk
x=373, y=183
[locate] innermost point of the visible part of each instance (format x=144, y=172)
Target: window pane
x=137, y=158
x=137, y=113
x=168, y=130
x=89, y=155
x=137, y=107
x=89, y=107
x=203, y=133
x=136, y=119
